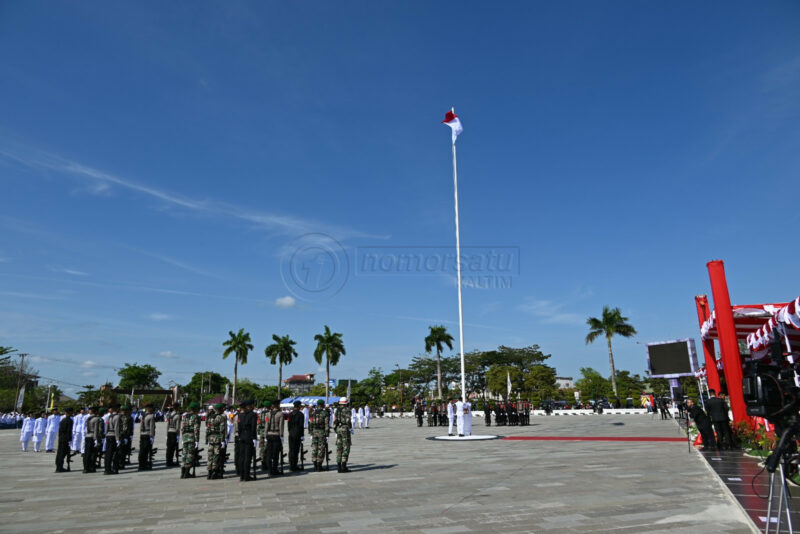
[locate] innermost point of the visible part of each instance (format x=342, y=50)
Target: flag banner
x=508, y=382
x=451, y=119
x=348, y=389
x=20, y=398
x=52, y=400
x=226, y=393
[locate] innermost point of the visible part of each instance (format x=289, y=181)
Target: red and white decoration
x=788, y=316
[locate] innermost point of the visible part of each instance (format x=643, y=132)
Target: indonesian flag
x=451, y=119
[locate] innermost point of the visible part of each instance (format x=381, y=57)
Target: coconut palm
x=330, y=345
x=282, y=352
x=239, y=345
x=612, y=323
x=438, y=337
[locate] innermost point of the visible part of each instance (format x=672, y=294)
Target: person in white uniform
x=27, y=432
x=360, y=417
x=460, y=409
x=51, y=431
x=450, y=417
x=367, y=415
x=468, y=418
x=305, y=416
x=39, y=427
x=77, y=431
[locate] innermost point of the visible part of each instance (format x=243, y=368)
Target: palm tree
x=437, y=338
x=610, y=324
x=330, y=344
x=239, y=344
x=282, y=352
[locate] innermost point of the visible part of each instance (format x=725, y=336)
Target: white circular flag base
x=473, y=437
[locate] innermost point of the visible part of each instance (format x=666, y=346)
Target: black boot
x=344, y=468
x=339, y=467
x=209, y=476
x=183, y=472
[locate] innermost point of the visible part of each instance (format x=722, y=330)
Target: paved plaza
x=401, y=482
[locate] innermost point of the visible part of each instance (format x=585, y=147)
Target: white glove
x=117, y=443
x=152, y=440
x=96, y=444
x=302, y=438
x=255, y=443
x=196, y=444
x=223, y=444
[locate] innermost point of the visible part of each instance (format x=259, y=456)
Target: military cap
x=298, y=403
x=125, y=408
x=266, y=404
x=247, y=403
x=194, y=406
x=219, y=406
x=69, y=409
x=343, y=400
x=320, y=402
x=101, y=410
x=149, y=405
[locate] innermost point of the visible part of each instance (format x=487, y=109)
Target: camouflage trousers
x=342, y=445
x=189, y=453
x=215, y=453
x=318, y=440
x=262, y=450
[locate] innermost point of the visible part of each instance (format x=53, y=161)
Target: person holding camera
x=703, y=424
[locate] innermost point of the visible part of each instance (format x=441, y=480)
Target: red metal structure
x=756, y=324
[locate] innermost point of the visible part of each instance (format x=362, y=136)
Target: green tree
x=331, y=347
x=629, y=385
x=281, y=352
x=250, y=390
x=592, y=384
x=610, y=324
x=135, y=376
x=89, y=396
x=497, y=379
x=239, y=345
x=438, y=337
x=318, y=390
x=541, y=379
x=205, y=383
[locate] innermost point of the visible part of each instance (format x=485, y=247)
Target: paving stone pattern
x=401, y=482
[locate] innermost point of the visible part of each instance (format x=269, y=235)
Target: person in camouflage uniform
x=318, y=426
x=343, y=426
x=216, y=430
x=190, y=435
x=261, y=429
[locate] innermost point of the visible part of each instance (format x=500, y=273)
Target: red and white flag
x=451, y=119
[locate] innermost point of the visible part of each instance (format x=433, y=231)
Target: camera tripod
x=780, y=457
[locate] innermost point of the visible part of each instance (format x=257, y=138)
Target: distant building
x=564, y=382
x=300, y=384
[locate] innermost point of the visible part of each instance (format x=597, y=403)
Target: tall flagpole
x=458, y=270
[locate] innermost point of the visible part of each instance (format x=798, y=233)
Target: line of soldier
x=507, y=413
x=107, y=436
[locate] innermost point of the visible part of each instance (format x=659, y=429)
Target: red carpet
x=591, y=438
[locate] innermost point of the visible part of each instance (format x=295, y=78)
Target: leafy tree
x=523, y=358
x=438, y=337
x=331, y=347
x=541, y=379
x=135, y=376
x=422, y=371
x=592, y=384
x=205, y=383
x=497, y=379
x=89, y=396
x=250, y=390
x=281, y=352
x=629, y=385
x=318, y=390
x=238, y=344
x=610, y=324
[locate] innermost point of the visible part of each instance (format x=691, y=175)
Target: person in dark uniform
x=64, y=438
x=435, y=411
x=418, y=413
x=487, y=414
x=703, y=424
x=248, y=438
x=718, y=413
x=295, y=427
x=173, y=429
x=147, y=435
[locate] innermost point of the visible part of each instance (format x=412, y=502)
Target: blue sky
x=159, y=163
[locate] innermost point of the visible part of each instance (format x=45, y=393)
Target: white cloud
x=285, y=302
x=550, y=312
x=159, y=316
x=89, y=364
x=168, y=354
x=73, y=272
x=285, y=224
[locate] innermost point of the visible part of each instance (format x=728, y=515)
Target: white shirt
x=459, y=409
x=27, y=425
x=39, y=425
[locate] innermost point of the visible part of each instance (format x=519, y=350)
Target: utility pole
x=19, y=378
